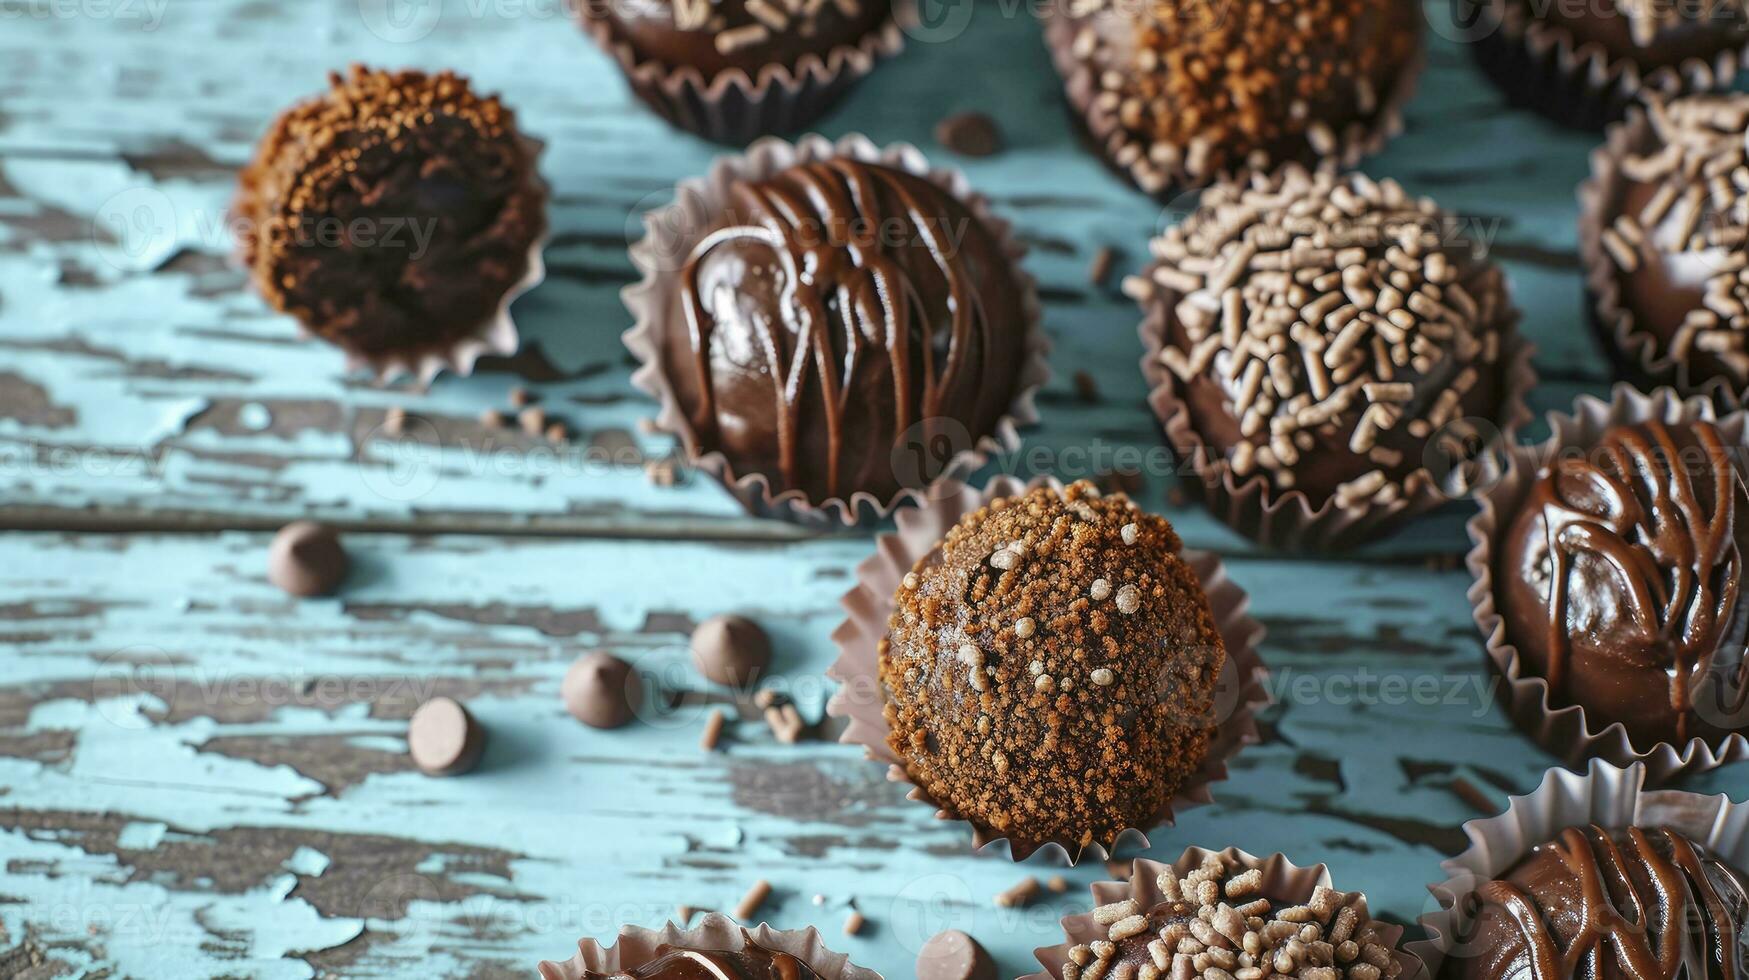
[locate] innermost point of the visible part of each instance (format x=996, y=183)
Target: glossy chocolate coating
x=1619, y=580
x=1668, y=284
x=750, y=962
x=834, y=313
x=653, y=30
x=1591, y=905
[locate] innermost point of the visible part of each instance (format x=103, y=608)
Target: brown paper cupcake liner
x=1104, y=129
x=1540, y=66
x=1634, y=351
x=1611, y=797
x=1242, y=694
x=636, y=947
x=1283, y=883
x=1287, y=521
x=1565, y=730
x=497, y=335
x=735, y=107
x=670, y=233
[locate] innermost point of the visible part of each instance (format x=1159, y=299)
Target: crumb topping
x=1203, y=88
x=1050, y=668
x=1215, y=923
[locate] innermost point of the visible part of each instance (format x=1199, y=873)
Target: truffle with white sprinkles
x=1023, y=698
x=1215, y=923
x=1320, y=329
x=1670, y=226
x=1177, y=92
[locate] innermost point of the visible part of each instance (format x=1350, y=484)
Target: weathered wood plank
x=199, y=775
x=143, y=387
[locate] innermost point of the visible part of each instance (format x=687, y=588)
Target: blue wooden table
x=200, y=776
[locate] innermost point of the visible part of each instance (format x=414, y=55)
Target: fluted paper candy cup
x=1242, y=690
x=673, y=231
x=637, y=946
x=1611, y=797
x=1564, y=729
x=1283, y=883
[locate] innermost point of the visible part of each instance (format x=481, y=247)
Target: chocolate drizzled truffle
x=1328, y=335
x=1217, y=922
x=1175, y=92
x=392, y=213
x=751, y=962
x=1609, y=906
x=1050, y=668
x=836, y=323
x=1583, y=64
x=1668, y=228
x=1619, y=581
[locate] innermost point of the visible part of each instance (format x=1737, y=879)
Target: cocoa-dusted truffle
x=391, y=213
x=1050, y=668
x=1670, y=228
x=1620, y=580
x=1219, y=921
x=1176, y=92
x=1319, y=329
x=837, y=322
x=1605, y=905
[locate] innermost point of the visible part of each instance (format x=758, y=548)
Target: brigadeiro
x=831, y=328
x=1176, y=92
x=602, y=691
x=1331, y=354
x=1664, y=222
x=733, y=70
x=1052, y=669
x=1226, y=914
x=1592, y=876
x=396, y=215
x=1609, y=583
x=716, y=949
x=1584, y=64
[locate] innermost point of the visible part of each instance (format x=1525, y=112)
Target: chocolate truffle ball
x=602, y=691
x=307, y=559
x=731, y=650
x=1319, y=329
x=1050, y=668
x=751, y=962
x=1602, y=905
x=1177, y=92
x=1328, y=935
x=736, y=35
x=1619, y=579
x=391, y=213
x=1671, y=228
x=838, y=314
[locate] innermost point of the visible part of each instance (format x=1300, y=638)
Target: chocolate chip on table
x=853, y=923
x=713, y=730
x=307, y=559
x=971, y=134
x=444, y=739
x=1099, y=269
x=601, y=690
x=731, y=650
x=1020, y=895
x=751, y=901
x=953, y=955
x=533, y=421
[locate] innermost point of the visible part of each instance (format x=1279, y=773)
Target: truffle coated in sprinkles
x=1084, y=722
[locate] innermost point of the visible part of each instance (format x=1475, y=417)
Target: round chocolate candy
x=307, y=559
x=602, y=691
x=731, y=650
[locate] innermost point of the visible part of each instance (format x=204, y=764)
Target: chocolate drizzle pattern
x=1646, y=905
x=1666, y=532
x=751, y=962
x=840, y=311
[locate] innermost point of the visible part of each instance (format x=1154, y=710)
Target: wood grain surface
x=202, y=777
